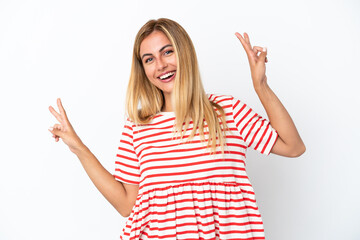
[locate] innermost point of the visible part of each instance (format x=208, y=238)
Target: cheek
x=174, y=62
x=148, y=73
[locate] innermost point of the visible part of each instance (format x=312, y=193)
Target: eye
x=148, y=60
x=168, y=52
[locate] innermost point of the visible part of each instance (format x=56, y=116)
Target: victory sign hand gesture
x=257, y=63
x=63, y=129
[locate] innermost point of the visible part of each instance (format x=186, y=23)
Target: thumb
x=56, y=130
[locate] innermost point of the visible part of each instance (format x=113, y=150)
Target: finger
x=249, y=52
x=53, y=135
x=263, y=54
x=257, y=49
x=246, y=46
x=56, y=137
x=56, y=130
x=260, y=49
x=56, y=114
x=61, y=108
x=247, y=39
x=59, y=127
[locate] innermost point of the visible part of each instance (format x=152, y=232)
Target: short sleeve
x=127, y=167
x=254, y=129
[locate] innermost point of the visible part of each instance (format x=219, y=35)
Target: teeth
x=167, y=75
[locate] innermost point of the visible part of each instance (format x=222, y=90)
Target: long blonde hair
x=189, y=98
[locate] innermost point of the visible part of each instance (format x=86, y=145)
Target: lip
x=170, y=79
x=166, y=73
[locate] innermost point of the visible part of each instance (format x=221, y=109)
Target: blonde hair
x=189, y=98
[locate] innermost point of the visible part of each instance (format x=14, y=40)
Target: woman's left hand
x=257, y=63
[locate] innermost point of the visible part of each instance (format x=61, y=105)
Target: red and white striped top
x=186, y=193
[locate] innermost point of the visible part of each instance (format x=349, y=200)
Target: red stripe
x=194, y=156
x=171, y=126
x=128, y=127
x=127, y=173
x=236, y=145
x=125, y=157
x=127, y=135
x=225, y=98
x=214, y=100
x=170, y=120
x=147, y=224
x=156, y=220
x=262, y=137
x=185, y=157
x=200, y=238
x=236, y=115
x=178, y=217
x=184, y=143
x=192, y=164
x=216, y=222
x=257, y=131
x=194, y=179
x=276, y=137
x=199, y=230
x=253, y=125
x=248, y=122
x=159, y=133
x=203, y=208
x=194, y=199
x=183, y=173
x=169, y=139
x=225, y=106
x=126, y=142
x=198, y=184
x=191, y=201
x=267, y=142
x=175, y=150
x=152, y=135
x=158, y=123
x=127, y=165
x=127, y=150
x=125, y=180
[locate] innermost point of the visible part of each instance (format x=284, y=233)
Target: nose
x=161, y=64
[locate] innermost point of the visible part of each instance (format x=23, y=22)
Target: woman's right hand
x=64, y=130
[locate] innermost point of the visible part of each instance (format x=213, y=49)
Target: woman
x=178, y=176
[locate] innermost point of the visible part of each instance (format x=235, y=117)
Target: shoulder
x=224, y=101
x=128, y=123
x=220, y=99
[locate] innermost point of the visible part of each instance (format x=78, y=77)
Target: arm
x=121, y=196
x=114, y=191
x=288, y=143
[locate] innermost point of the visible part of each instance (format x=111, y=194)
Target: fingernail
x=51, y=128
x=264, y=49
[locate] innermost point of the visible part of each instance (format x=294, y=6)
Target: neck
x=167, y=106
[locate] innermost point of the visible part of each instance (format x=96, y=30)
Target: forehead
x=154, y=42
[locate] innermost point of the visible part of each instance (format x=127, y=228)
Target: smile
x=167, y=76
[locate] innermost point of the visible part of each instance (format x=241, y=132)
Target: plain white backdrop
x=81, y=52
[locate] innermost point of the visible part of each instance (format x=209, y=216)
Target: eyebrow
x=149, y=54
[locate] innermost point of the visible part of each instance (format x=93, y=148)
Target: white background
x=81, y=52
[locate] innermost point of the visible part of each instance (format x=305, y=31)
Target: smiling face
x=159, y=61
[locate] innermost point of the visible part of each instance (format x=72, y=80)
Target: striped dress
x=186, y=193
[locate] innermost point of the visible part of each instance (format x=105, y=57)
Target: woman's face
x=159, y=61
